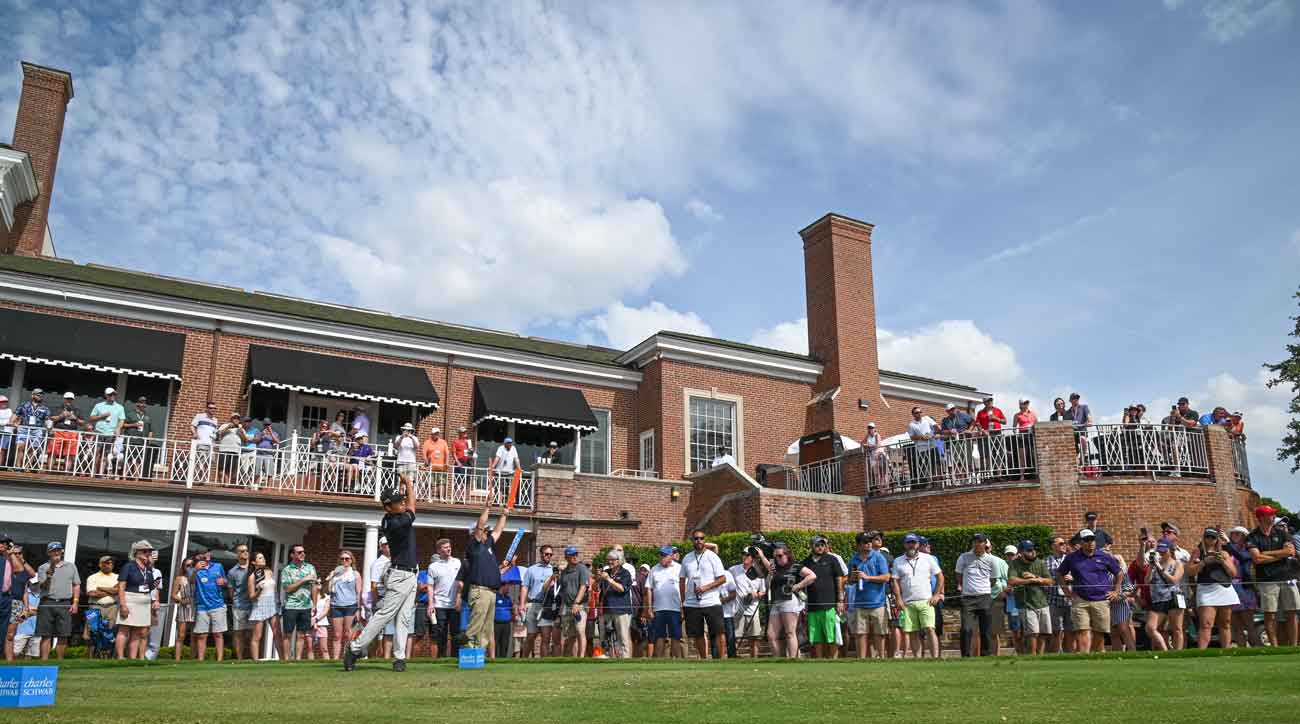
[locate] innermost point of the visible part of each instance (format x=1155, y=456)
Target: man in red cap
x=1276, y=569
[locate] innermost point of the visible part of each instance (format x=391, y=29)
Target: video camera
x=758, y=543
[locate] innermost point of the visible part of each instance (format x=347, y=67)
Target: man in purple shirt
x=1096, y=578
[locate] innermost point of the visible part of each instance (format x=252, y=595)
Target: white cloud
x=702, y=211
x=788, y=336
x=1047, y=239
x=1230, y=20
x=493, y=164
x=623, y=327
x=955, y=350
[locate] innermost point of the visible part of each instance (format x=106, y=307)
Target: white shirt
x=746, y=586
x=406, y=448
x=6, y=419
x=721, y=459
x=506, y=461
x=377, y=571
x=976, y=573
x=662, y=583
x=701, y=569
x=913, y=576
x=922, y=428
x=729, y=608
x=205, y=427
x=442, y=576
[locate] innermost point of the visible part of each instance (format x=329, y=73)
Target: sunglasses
x=697, y=537
x=547, y=554
x=345, y=558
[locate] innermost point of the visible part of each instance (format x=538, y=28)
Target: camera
x=759, y=543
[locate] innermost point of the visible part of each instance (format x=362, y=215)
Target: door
x=311, y=409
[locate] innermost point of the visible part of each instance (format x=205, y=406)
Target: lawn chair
x=102, y=633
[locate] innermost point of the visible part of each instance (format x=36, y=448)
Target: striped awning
x=333, y=376
x=531, y=404
x=69, y=342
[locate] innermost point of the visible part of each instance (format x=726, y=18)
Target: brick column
x=38, y=130
x=555, y=490
x=1218, y=449
x=853, y=472
x=1057, y=455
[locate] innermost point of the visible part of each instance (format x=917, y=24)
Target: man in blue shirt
x=106, y=417
x=532, y=592
x=207, y=581
x=868, y=581
x=955, y=423
x=30, y=418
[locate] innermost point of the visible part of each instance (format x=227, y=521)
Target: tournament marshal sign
x=28, y=686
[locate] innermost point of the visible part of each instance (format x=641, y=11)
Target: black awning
x=531, y=404
x=68, y=342
x=323, y=374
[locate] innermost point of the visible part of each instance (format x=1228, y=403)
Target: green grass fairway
x=1174, y=688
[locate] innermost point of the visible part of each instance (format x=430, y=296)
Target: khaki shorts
x=571, y=624
x=1094, y=615
x=869, y=621
x=533, y=618
x=749, y=627
x=213, y=621
x=27, y=645
x=1277, y=596
x=239, y=619
x=1036, y=621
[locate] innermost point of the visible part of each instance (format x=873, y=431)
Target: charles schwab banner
x=28, y=685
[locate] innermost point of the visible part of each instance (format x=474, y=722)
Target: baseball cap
x=924, y=541
x=871, y=424
x=110, y=391
x=1266, y=510
x=1024, y=401
x=644, y=567
x=979, y=537
x=1162, y=545
x=820, y=539
x=391, y=495
x=949, y=406
x=1210, y=533
x=666, y=550
x=266, y=421
x=383, y=540
x=6, y=538
x=1027, y=545
x=552, y=444
x=143, y=399
x=105, y=558
x=1240, y=529
x=69, y=396
x=571, y=550
x=507, y=441
x=1008, y=549
x=1087, y=533
x=1183, y=401
x=38, y=391
x=462, y=428
x=436, y=429
x=4, y=398
x=1089, y=514
x=53, y=546
x=988, y=398
x=360, y=435
x=911, y=538
x=408, y=426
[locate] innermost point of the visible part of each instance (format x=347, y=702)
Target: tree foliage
x=1287, y=373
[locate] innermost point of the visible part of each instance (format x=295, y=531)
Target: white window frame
x=738, y=423
x=647, y=437
x=609, y=443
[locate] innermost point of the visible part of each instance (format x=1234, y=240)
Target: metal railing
x=288, y=468
x=823, y=476
x=635, y=473
x=963, y=461
x=1157, y=450
x=1240, y=466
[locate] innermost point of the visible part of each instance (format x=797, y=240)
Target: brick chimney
x=841, y=322
x=38, y=130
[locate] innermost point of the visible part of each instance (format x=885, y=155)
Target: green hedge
x=946, y=543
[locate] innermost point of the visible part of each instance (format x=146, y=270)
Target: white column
x=70, y=542
x=370, y=554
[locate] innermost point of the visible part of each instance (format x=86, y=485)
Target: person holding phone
x=1214, y=569
x=261, y=591
x=1167, y=598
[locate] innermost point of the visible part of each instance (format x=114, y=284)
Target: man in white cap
x=408, y=446
x=504, y=464
x=434, y=452
x=877, y=457
x=106, y=416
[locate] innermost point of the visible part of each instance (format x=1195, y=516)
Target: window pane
x=33, y=537
x=595, y=446
x=532, y=441
x=269, y=402
x=488, y=436
x=87, y=385
x=648, y=450
x=712, y=427
x=389, y=425
x=156, y=389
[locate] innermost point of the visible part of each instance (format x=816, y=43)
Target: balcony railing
x=1239, y=464
x=968, y=460
x=287, y=469
x=824, y=476
x=1157, y=450
x=635, y=473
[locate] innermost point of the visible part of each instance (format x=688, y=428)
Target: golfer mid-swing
x=399, y=582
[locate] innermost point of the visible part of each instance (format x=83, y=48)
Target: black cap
x=1089, y=514
x=979, y=537
x=862, y=538
x=1183, y=401
x=391, y=495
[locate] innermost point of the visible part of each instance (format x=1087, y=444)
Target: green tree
x=1287, y=372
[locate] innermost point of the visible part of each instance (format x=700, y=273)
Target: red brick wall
x=38, y=130
x=590, y=508
x=650, y=410
x=814, y=511
x=841, y=321
x=893, y=420
x=774, y=412
x=710, y=487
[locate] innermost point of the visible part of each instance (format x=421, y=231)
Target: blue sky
x=1098, y=196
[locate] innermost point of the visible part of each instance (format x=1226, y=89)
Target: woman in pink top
x=1024, y=421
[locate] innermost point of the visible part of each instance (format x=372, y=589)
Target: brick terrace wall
x=1061, y=497
x=814, y=511
x=587, y=510
x=774, y=412
x=710, y=486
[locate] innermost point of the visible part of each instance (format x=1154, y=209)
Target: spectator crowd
x=1079, y=595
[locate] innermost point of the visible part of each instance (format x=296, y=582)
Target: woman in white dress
x=261, y=591
x=1214, y=569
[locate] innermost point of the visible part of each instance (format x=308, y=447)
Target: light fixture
x=676, y=493
x=863, y=404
